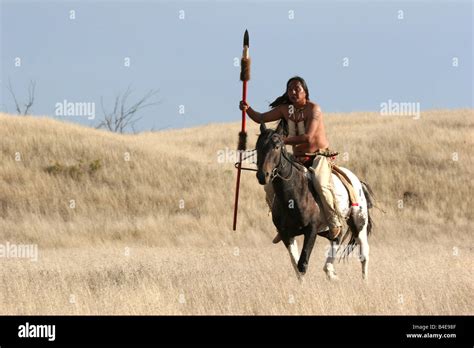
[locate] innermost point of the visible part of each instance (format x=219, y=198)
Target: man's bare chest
x=291, y=113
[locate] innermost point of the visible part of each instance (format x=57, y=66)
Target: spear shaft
x=244, y=77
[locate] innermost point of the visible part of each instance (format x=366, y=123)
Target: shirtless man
x=295, y=105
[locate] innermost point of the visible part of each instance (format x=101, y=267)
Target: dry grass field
x=141, y=224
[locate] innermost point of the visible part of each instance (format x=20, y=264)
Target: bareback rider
x=308, y=139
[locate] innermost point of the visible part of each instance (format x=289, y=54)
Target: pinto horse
x=295, y=208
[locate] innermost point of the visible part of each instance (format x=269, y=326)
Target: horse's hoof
x=332, y=277
x=302, y=267
x=277, y=239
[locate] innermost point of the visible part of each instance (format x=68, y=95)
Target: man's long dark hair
x=283, y=99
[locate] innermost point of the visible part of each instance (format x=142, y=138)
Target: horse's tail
x=369, y=196
x=350, y=246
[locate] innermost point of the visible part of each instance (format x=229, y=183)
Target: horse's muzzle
x=262, y=177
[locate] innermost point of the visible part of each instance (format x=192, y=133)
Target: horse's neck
x=294, y=179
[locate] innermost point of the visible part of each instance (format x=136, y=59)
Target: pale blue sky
x=191, y=60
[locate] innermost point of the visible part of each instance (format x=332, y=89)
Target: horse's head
x=269, y=147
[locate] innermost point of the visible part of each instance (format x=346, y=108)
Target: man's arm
x=274, y=114
x=312, y=129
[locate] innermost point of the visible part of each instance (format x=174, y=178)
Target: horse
x=295, y=209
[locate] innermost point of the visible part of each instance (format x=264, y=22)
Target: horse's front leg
x=292, y=248
x=308, y=244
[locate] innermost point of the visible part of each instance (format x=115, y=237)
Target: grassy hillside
x=141, y=224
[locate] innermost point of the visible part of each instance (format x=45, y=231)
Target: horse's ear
x=263, y=128
x=282, y=128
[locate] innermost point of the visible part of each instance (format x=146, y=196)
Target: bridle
x=280, y=166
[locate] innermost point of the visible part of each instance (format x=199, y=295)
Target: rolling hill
x=141, y=223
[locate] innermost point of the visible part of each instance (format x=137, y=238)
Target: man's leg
x=323, y=185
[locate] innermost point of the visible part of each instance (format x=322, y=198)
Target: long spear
x=244, y=77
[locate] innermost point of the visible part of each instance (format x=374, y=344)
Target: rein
x=236, y=164
x=275, y=172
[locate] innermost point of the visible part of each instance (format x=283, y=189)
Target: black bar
x=223, y=330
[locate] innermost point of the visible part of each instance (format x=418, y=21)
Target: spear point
x=246, y=38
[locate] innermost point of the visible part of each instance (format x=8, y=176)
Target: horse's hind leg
x=363, y=242
x=329, y=264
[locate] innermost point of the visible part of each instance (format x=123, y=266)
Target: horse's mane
x=282, y=130
x=293, y=161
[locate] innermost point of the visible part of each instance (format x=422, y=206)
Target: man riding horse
x=310, y=145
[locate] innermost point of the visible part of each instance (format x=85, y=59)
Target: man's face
x=296, y=92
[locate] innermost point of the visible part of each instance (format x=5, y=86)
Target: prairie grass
x=141, y=224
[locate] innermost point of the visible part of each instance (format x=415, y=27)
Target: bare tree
x=123, y=116
x=31, y=98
